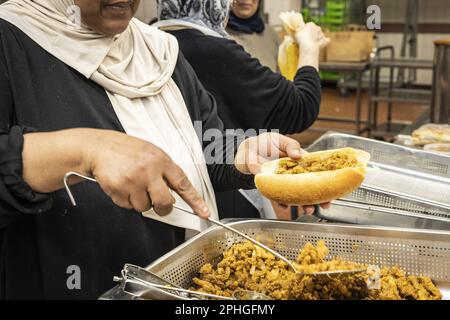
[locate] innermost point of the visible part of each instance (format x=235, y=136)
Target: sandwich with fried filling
x=318, y=177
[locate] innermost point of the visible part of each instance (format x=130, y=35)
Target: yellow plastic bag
x=289, y=51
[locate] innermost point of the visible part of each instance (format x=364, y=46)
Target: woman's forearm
x=134, y=173
x=48, y=156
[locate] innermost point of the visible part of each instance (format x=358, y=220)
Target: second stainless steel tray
x=363, y=214
x=399, y=178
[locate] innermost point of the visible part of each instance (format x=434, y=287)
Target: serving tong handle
x=130, y=275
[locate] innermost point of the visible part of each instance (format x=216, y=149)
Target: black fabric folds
x=16, y=193
x=43, y=237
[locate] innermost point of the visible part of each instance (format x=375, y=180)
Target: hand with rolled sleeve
x=134, y=173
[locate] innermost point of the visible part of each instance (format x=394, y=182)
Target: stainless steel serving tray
x=363, y=214
x=419, y=252
x=404, y=179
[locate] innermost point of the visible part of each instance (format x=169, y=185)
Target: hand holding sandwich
x=256, y=151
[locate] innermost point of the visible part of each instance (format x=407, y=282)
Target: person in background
x=246, y=27
x=249, y=95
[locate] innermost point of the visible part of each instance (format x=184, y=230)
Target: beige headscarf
x=135, y=68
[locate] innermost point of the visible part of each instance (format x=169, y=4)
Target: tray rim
x=425, y=233
x=405, y=148
x=397, y=212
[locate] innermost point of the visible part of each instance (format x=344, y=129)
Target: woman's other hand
x=256, y=151
x=311, y=36
x=311, y=40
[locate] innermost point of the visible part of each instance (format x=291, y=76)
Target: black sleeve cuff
x=223, y=173
x=247, y=182
x=307, y=70
x=14, y=191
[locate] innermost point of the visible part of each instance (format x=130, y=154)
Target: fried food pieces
x=338, y=160
x=249, y=267
x=396, y=285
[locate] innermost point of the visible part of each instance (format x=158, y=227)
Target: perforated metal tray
x=404, y=178
x=363, y=214
x=389, y=154
x=416, y=251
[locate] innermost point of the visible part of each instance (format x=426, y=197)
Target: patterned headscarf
x=211, y=14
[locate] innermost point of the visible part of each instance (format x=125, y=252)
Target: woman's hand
x=311, y=36
x=256, y=151
x=134, y=173
x=137, y=175
x=311, y=40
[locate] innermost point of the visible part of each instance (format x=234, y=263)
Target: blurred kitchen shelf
x=398, y=92
x=403, y=95
x=319, y=129
x=406, y=63
x=358, y=68
x=396, y=128
x=390, y=130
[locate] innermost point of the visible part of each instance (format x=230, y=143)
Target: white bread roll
x=313, y=188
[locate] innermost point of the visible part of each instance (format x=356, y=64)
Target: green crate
x=306, y=14
x=333, y=17
x=329, y=76
x=335, y=5
x=335, y=21
x=335, y=14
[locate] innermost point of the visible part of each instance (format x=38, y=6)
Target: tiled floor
x=333, y=104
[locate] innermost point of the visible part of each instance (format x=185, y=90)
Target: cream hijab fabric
x=135, y=68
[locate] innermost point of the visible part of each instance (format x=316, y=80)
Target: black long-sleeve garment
x=43, y=235
x=249, y=96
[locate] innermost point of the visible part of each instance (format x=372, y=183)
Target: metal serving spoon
x=216, y=222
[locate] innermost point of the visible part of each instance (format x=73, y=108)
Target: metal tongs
x=218, y=223
x=139, y=282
